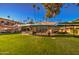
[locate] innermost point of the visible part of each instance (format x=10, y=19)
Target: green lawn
x=24, y=44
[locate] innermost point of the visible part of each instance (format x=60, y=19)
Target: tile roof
x=9, y=20
x=47, y=23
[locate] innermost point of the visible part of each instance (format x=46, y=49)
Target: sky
x=21, y=12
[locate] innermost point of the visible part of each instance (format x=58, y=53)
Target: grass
x=18, y=44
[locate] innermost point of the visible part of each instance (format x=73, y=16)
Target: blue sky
x=20, y=12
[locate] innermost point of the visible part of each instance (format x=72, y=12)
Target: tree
x=38, y=8
x=34, y=6
x=53, y=9
x=8, y=17
x=31, y=21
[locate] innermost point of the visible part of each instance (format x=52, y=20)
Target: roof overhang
x=35, y=25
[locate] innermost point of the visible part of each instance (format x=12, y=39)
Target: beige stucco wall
x=70, y=29
x=73, y=32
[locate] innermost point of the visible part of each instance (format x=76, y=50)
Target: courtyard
x=19, y=44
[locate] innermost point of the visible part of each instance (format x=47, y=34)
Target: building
x=40, y=27
x=70, y=27
x=7, y=25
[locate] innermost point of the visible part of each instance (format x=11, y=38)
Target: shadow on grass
x=63, y=35
x=8, y=33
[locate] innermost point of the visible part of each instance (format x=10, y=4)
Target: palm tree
x=46, y=19
x=34, y=6
x=8, y=17
x=28, y=19
x=43, y=18
x=31, y=21
x=38, y=8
